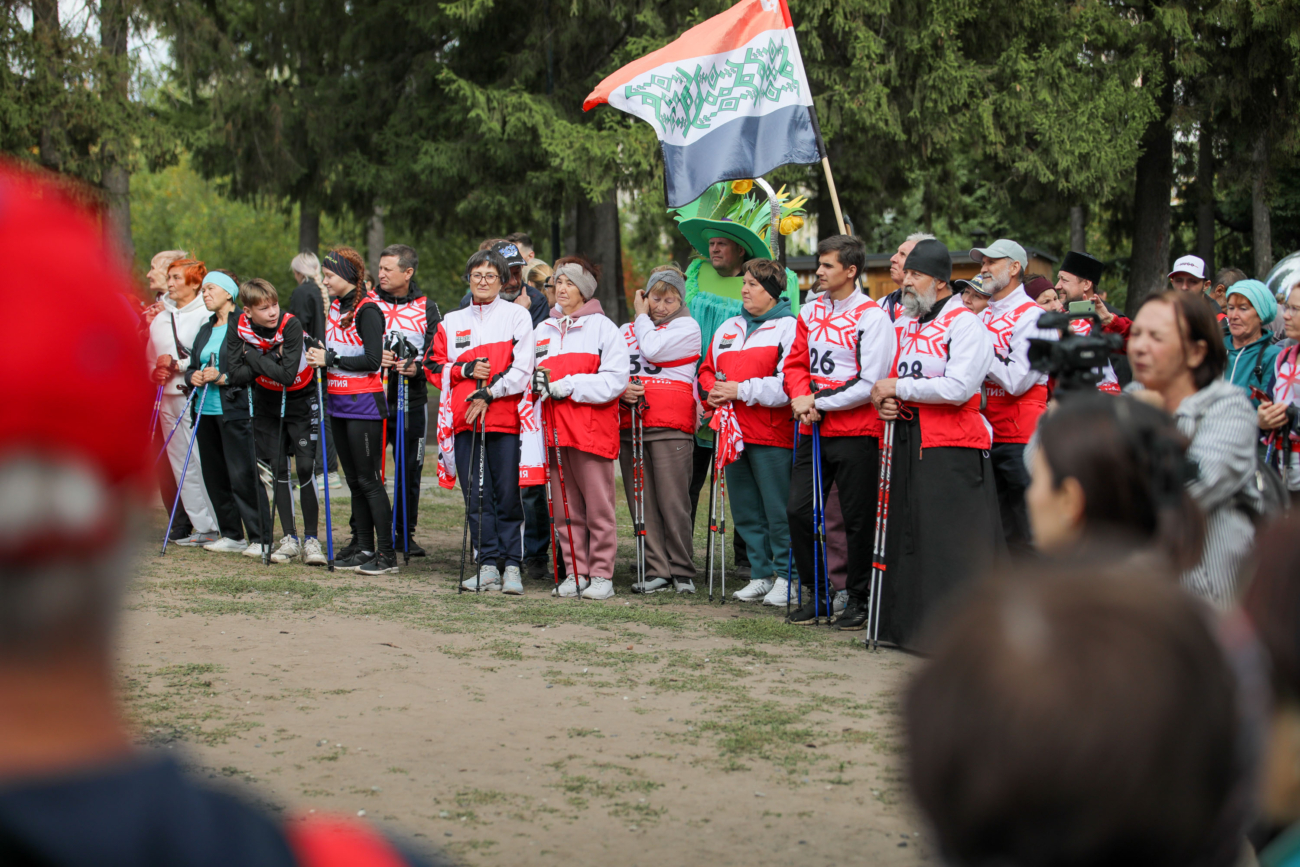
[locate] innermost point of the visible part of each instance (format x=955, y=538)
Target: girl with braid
x=357, y=408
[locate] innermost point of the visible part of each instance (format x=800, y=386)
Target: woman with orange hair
x=171, y=333
x=354, y=347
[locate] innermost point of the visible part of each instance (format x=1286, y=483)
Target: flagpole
x=826, y=167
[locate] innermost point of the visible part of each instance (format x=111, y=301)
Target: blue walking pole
x=175, y=426
x=184, y=469
x=403, y=388
x=789, y=563
x=820, y=573
x=325, y=471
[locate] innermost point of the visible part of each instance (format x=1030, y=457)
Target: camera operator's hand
x=1271, y=415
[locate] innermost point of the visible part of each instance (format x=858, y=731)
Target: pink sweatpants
x=589, y=485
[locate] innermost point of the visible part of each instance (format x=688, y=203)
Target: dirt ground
x=632, y=731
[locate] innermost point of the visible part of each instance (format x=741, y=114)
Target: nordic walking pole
x=789, y=562
x=324, y=450
x=722, y=528
x=397, y=467
x=175, y=426
x=464, y=538
x=404, y=394
x=275, y=473
x=556, y=556
x=482, y=470
x=383, y=435
x=184, y=470
x=713, y=523
x=564, y=498
x=882, y=520
x=157, y=408
x=819, y=565
x=638, y=494
x=261, y=516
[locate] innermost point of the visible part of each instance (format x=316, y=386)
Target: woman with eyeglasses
x=1278, y=414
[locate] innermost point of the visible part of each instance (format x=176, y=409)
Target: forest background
x=247, y=130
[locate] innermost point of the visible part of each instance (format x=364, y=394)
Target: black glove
x=482, y=394
x=541, y=381
x=467, y=369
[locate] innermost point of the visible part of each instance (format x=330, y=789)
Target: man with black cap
x=1015, y=395
x=843, y=344
x=944, y=526
x=1077, y=281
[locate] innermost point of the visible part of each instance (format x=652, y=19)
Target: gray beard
x=916, y=306
x=996, y=284
x=508, y=295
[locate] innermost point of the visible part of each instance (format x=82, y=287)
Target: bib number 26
x=823, y=364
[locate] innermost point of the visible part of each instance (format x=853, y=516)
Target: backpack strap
x=336, y=842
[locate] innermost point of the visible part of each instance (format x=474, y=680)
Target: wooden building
x=879, y=284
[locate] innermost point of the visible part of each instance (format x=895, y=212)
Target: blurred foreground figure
x=1079, y=719
x=74, y=790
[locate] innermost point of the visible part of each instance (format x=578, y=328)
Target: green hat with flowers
x=735, y=210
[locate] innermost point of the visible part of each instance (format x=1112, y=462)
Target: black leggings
x=237, y=495
x=299, y=440
x=360, y=444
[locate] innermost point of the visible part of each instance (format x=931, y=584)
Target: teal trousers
x=758, y=488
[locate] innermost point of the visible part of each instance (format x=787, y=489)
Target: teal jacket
x=1252, y=365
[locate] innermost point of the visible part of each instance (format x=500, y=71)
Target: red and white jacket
x=501, y=332
x=941, y=364
x=1015, y=394
x=756, y=363
x=1109, y=381
x=588, y=351
x=347, y=343
x=1286, y=390
x=244, y=328
x=663, y=357
x=840, y=349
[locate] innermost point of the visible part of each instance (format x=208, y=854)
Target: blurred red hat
x=73, y=384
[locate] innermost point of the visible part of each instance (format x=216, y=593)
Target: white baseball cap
x=1193, y=265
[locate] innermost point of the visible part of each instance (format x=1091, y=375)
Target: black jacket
x=308, y=306
x=234, y=398
x=280, y=364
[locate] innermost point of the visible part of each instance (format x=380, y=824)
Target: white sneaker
x=568, y=589
x=754, y=592
x=776, y=596
x=601, y=588
x=313, y=554
x=683, y=586
x=253, y=550
x=839, y=603
x=227, y=546
x=652, y=585
x=512, y=583
x=197, y=540
x=488, y=578
x=289, y=549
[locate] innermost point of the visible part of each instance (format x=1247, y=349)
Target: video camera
x=1075, y=361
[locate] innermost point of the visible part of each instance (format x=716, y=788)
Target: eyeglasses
x=484, y=278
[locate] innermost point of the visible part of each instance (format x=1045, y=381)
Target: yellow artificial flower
x=791, y=224
x=740, y=188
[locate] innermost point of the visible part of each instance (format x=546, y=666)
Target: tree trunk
x=308, y=228
x=116, y=180
x=1205, y=197
x=1261, y=222
x=47, y=34
x=375, y=240
x=600, y=240
x=1078, y=229
x=1149, y=261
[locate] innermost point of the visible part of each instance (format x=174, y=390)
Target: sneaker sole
x=321, y=562
x=513, y=591
x=848, y=627
x=389, y=571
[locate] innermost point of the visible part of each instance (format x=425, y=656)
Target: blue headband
x=341, y=267
x=216, y=278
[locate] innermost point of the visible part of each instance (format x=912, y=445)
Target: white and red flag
x=729, y=442
x=729, y=99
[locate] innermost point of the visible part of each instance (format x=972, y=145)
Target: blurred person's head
x=70, y=495
x=1109, y=476
x=397, y=264
x=1272, y=603
x=665, y=292
x=305, y=266
x=542, y=278
x=1076, y=719
x=725, y=255
x=1176, y=346
x=973, y=293
x=1291, y=313
x=1044, y=293
x=184, y=277
x=900, y=255
x=525, y=244
x=515, y=264
x=158, y=266
x=1250, y=307
x=1222, y=280
x=1077, y=278
x=1189, y=275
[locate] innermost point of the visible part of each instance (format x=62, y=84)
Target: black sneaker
x=415, y=550
x=536, y=570
x=380, y=564
x=354, y=562
x=808, y=614
x=853, y=618
x=346, y=552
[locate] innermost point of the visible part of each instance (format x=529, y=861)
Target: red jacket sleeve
x=706, y=377
x=1119, y=325
x=798, y=382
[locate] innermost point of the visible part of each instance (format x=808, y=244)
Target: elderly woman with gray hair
x=663, y=343
x=582, y=366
